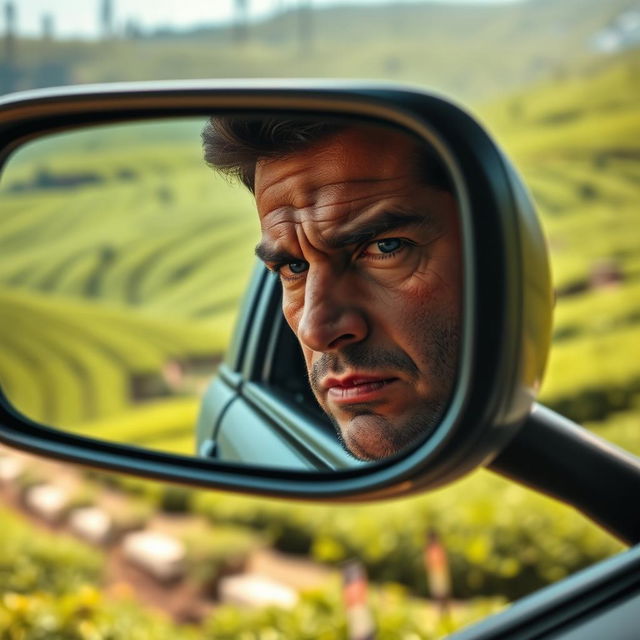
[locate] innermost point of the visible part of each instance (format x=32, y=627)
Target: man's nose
x=332, y=317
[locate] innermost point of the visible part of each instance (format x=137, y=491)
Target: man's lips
x=356, y=388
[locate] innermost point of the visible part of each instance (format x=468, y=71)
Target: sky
x=79, y=18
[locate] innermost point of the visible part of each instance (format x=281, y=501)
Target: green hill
x=576, y=142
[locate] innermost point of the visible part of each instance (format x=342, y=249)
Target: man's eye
x=387, y=245
x=386, y=248
x=298, y=267
x=290, y=270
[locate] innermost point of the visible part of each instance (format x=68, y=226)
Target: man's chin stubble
x=368, y=436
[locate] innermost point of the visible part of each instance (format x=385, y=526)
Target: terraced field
x=122, y=258
x=579, y=151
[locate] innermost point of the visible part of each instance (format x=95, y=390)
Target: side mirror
x=259, y=429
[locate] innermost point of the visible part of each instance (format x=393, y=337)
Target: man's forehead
x=353, y=162
x=333, y=205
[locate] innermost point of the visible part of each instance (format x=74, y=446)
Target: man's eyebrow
x=382, y=223
x=270, y=255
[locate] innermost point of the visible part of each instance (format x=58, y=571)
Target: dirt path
x=182, y=600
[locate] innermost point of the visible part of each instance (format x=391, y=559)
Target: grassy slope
x=110, y=280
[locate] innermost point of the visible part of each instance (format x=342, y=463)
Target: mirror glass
x=137, y=307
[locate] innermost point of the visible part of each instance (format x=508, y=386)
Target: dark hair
x=233, y=146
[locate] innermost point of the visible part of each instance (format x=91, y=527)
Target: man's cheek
x=397, y=277
x=308, y=358
x=292, y=313
x=433, y=281
x=409, y=298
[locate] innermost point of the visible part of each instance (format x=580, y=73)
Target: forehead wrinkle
x=329, y=190
x=295, y=171
x=348, y=208
x=279, y=228
x=300, y=188
x=356, y=201
x=364, y=209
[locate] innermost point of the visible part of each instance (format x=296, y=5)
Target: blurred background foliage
x=556, y=83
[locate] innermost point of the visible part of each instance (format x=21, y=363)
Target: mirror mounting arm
x=555, y=456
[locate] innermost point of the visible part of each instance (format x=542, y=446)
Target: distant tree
x=241, y=22
x=8, y=71
x=10, y=30
x=106, y=18
x=132, y=29
x=47, y=26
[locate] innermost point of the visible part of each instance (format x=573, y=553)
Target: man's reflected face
x=369, y=258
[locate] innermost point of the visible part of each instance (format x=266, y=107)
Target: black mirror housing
x=507, y=294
